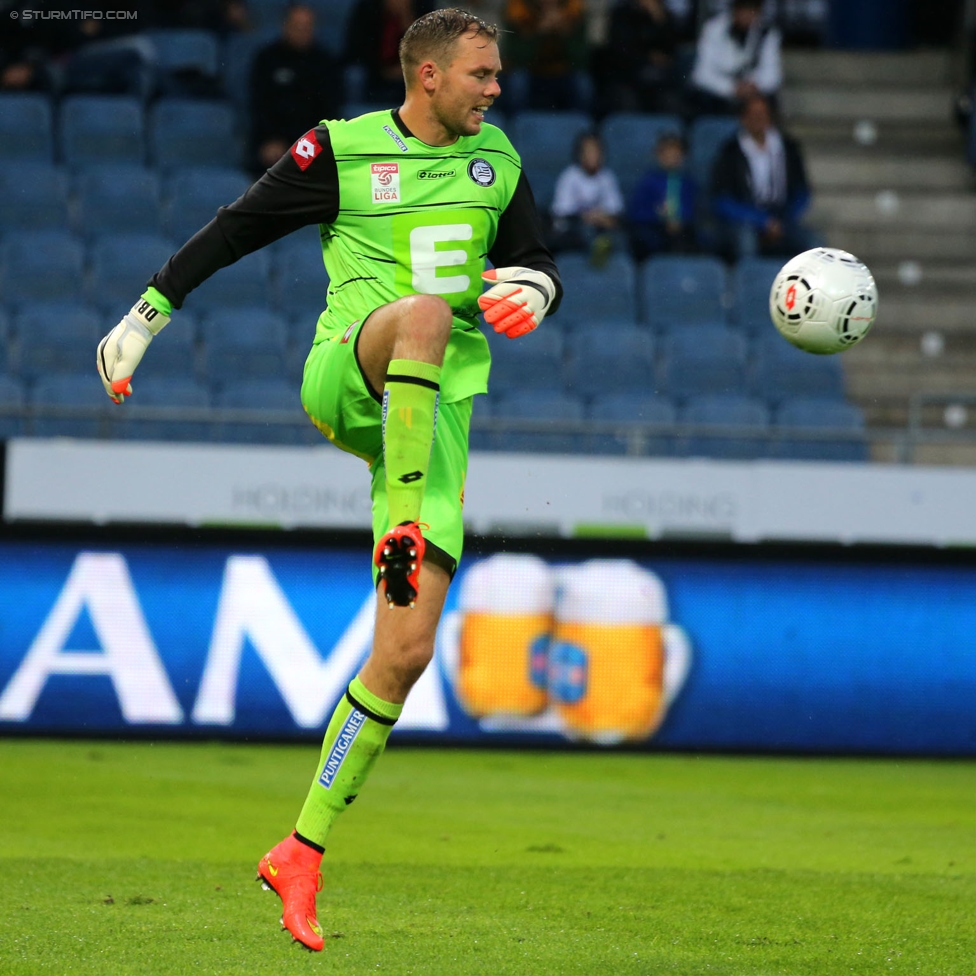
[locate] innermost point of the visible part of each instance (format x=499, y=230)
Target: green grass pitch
x=138, y=858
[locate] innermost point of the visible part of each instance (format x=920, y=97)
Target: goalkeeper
x=410, y=202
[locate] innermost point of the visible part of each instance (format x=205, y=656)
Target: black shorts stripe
x=418, y=380
x=360, y=707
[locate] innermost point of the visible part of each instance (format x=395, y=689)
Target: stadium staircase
x=903, y=202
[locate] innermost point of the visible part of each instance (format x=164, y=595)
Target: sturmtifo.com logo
x=74, y=14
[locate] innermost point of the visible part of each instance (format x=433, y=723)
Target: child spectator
x=587, y=203
x=661, y=214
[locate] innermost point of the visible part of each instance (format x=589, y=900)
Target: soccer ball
x=824, y=300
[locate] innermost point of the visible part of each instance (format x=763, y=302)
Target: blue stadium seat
x=102, y=129
x=752, y=280
x=164, y=394
x=186, y=49
x=195, y=195
x=532, y=362
x=57, y=338
x=593, y=295
x=236, y=58
x=193, y=132
x=611, y=359
x=43, y=265
x=26, y=127
x=826, y=414
x=273, y=395
x=705, y=139
x=629, y=408
x=537, y=405
x=121, y=264
x=782, y=371
x=118, y=197
x=703, y=359
x=630, y=139
x=299, y=281
x=34, y=196
x=679, y=291
x=725, y=410
x=332, y=19
x=80, y=405
x=545, y=141
x=241, y=284
x=11, y=400
x=248, y=344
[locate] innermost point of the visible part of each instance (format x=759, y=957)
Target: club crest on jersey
x=305, y=150
x=481, y=171
x=385, y=179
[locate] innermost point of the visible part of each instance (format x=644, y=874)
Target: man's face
x=756, y=119
x=299, y=28
x=745, y=17
x=467, y=86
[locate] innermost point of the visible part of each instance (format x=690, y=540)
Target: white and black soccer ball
x=824, y=301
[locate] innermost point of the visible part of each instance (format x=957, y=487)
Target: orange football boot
x=291, y=870
x=399, y=555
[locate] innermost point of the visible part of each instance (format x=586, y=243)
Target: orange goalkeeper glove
x=517, y=301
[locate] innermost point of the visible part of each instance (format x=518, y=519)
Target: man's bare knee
x=425, y=319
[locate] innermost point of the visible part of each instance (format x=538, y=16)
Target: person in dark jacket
x=295, y=83
x=759, y=187
x=641, y=46
x=661, y=212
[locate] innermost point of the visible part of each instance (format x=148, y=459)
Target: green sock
x=409, y=416
x=357, y=734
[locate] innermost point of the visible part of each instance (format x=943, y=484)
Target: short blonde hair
x=433, y=35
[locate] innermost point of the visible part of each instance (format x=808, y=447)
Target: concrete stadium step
x=888, y=208
x=828, y=101
x=918, y=139
x=938, y=280
x=918, y=68
x=917, y=315
x=857, y=170
x=872, y=245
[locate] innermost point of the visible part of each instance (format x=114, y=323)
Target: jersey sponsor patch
x=401, y=145
x=481, y=171
x=385, y=180
x=436, y=174
x=305, y=150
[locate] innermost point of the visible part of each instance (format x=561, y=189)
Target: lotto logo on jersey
x=305, y=150
x=385, y=180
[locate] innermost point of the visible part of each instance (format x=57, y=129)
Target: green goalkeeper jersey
x=397, y=217
x=416, y=219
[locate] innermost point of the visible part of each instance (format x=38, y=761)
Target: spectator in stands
x=661, y=212
x=548, y=43
x=641, y=48
x=21, y=57
x=738, y=56
x=220, y=16
x=373, y=42
x=295, y=82
x=587, y=204
x=759, y=187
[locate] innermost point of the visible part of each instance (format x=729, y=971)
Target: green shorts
x=342, y=405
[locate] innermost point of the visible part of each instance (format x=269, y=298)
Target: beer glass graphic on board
x=506, y=602
x=607, y=671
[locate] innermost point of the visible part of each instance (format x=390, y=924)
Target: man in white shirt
x=587, y=203
x=738, y=56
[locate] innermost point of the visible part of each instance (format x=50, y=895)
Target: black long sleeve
x=284, y=199
x=519, y=241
